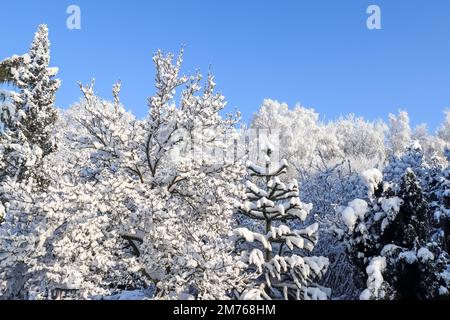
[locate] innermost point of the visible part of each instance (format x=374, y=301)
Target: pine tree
x=416, y=261
x=273, y=252
x=389, y=237
x=25, y=144
x=27, y=139
x=440, y=206
x=413, y=159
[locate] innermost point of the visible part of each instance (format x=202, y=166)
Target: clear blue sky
x=317, y=52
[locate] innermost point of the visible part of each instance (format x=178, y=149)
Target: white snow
x=279, y=231
x=2, y=211
x=409, y=256
x=360, y=207
x=73, y=281
x=416, y=145
x=253, y=295
x=356, y=209
x=391, y=204
x=250, y=236
x=375, y=281
x=256, y=257
x=443, y=291
x=309, y=231
x=255, y=168
x=389, y=249
x=365, y=295
x=371, y=179
x=446, y=276
x=315, y=294
x=349, y=217
x=254, y=188
x=301, y=210
x=264, y=202
x=53, y=71
x=425, y=255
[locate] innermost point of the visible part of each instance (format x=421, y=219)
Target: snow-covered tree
x=444, y=130
x=134, y=202
x=328, y=188
x=194, y=184
x=389, y=238
x=432, y=146
x=305, y=141
x=359, y=138
x=94, y=203
x=332, y=182
x=411, y=159
x=273, y=252
x=25, y=146
x=399, y=135
x=421, y=277
x=440, y=205
x=28, y=122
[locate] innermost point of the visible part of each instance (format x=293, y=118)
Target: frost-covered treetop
x=278, y=201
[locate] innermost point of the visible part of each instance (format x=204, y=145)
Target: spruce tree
x=25, y=144
x=416, y=262
x=390, y=238
x=412, y=158
x=440, y=206
x=27, y=137
x=273, y=251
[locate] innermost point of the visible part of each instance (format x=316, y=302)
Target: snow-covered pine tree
x=389, y=237
x=412, y=159
x=419, y=262
x=25, y=144
x=439, y=203
x=274, y=253
x=27, y=135
x=440, y=206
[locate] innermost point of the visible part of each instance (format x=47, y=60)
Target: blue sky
x=317, y=52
